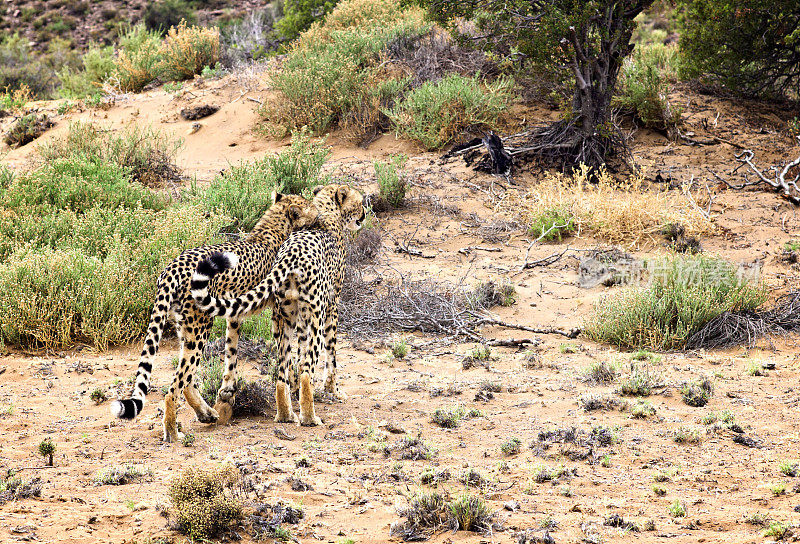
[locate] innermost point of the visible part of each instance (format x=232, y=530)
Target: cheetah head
x=300, y=212
x=344, y=200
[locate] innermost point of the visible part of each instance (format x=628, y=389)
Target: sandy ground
x=355, y=489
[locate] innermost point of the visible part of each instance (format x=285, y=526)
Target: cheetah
x=256, y=253
x=306, y=279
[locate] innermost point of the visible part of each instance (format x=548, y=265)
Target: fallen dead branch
x=370, y=308
x=787, y=189
x=745, y=328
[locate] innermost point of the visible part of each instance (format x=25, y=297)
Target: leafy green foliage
x=748, y=46
x=683, y=295
x=642, y=88
x=391, y=179
x=298, y=15
x=82, y=244
x=244, y=192
x=334, y=77
x=164, y=14
x=552, y=224
x=435, y=113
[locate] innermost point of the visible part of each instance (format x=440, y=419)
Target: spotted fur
x=305, y=281
x=248, y=262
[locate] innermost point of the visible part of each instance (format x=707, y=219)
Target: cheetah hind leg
x=310, y=348
x=226, y=396
x=283, y=395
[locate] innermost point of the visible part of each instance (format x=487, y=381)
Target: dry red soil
x=355, y=490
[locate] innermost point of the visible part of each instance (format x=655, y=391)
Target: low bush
x=435, y=113
x=642, y=89
x=683, y=295
x=138, y=59
x=165, y=14
x=148, y=154
x=244, y=192
x=187, y=50
x=391, y=180
x=27, y=129
x=623, y=212
x=98, y=67
x=121, y=474
x=333, y=75
x=298, y=15
x=429, y=512
x=698, y=392
x=552, y=224
x=81, y=243
x=202, y=501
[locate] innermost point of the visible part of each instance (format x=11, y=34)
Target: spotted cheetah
x=256, y=253
x=307, y=279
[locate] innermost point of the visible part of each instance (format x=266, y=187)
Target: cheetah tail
x=249, y=303
x=130, y=408
x=211, y=266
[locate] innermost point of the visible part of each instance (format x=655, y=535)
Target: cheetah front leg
x=226, y=396
x=331, y=324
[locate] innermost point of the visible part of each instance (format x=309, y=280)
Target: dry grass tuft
x=626, y=213
x=187, y=50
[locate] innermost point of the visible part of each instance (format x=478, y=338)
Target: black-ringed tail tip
x=127, y=408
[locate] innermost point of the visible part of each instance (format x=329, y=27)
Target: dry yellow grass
x=187, y=50
x=627, y=212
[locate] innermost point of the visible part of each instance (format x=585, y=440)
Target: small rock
x=511, y=506
x=198, y=112
x=394, y=429
x=283, y=435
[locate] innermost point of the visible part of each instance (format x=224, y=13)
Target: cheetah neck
x=270, y=230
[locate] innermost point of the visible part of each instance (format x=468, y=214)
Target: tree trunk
x=596, y=63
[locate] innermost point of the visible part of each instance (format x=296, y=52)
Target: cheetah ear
x=317, y=189
x=341, y=195
x=293, y=213
x=276, y=197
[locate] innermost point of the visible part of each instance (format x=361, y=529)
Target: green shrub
x=552, y=224
x=202, y=504
x=435, y=113
x=55, y=297
x=27, y=129
x=683, y=295
x=639, y=383
x=47, y=449
x=162, y=15
x=642, y=91
x=244, y=192
x=391, y=180
x=148, y=154
x=298, y=15
x=98, y=67
x=138, y=60
x=121, y=474
x=745, y=45
x=187, y=50
x=333, y=76
x=470, y=514
x=697, y=393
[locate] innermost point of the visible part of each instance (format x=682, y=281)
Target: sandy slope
x=354, y=494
